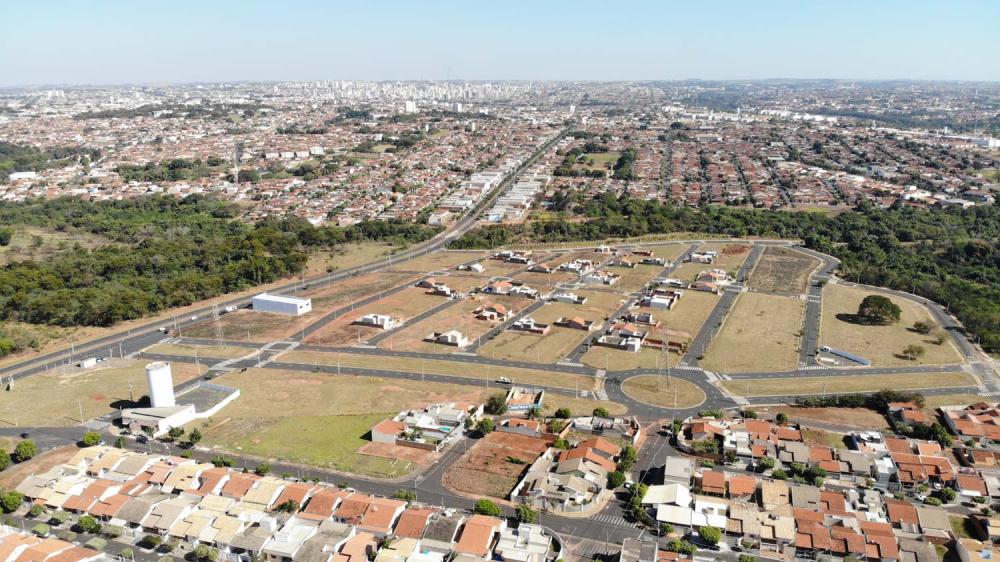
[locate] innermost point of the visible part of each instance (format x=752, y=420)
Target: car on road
x=193, y=317
x=25, y=435
x=505, y=380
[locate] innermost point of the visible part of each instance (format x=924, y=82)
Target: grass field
x=191, y=350
x=441, y=367
x=793, y=386
x=319, y=419
x=666, y=392
x=55, y=398
x=579, y=406
x=436, y=261
x=603, y=161
x=938, y=400
x=881, y=345
x=760, y=333
x=782, y=270
x=346, y=256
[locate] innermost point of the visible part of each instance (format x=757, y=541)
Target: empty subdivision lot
x=689, y=313
x=319, y=419
x=761, y=333
x=402, y=305
x=487, y=469
x=612, y=359
x=459, y=316
x=634, y=278
x=55, y=397
x=559, y=342
x=664, y=391
x=436, y=261
x=792, y=386
x=417, y=365
x=879, y=344
x=782, y=270
x=201, y=351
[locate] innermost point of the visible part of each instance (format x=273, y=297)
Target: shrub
x=405, y=495
x=496, y=404
x=10, y=501
x=486, y=507
x=562, y=444
x=710, y=535
x=25, y=450
x=262, y=469
x=563, y=413
x=601, y=412
x=485, y=426
x=87, y=524
x=526, y=515
x=91, y=438
x=616, y=479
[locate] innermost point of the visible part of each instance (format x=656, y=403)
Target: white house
x=382, y=321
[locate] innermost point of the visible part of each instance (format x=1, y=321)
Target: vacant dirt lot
x=13, y=476
x=494, y=464
x=782, y=270
x=861, y=418
x=882, y=345
x=403, y=305
x=761, y=333
x=437, y=261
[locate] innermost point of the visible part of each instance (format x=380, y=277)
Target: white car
x=193, y=317
x=504, y=380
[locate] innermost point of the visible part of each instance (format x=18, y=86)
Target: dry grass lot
x=879, y=344
x=33, y=243
x=938, y=400
x=761, y=333
x=861, y=418
x=441, y=367
x=346, y=256
x=782, y=270
x=55, y=398
x=559, y=342
x=487, y=469
x=403, y=305
x=319, y=419
x=13, y=476
x=579, y=406
x=621, y=360
x=437, y=261
x=667, y=392
x=460, y=316
x=192, y=350
x=793, y=386
x=634, y=278
x=689, y=313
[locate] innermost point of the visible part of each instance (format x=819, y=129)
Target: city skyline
x=66, y=44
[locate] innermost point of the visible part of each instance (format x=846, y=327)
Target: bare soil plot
x=10, y=478
x=441, y=367
x=882, y=345
x=55, y=398
x=823, y=438
x=760, y=333
x=792, y=386
x=437, y=261
x=938, y=400
x=861, y=418
x=493, y=466
x=520, y=346
x=398, y=452
x=782, y=270
x=340, y=293
x=539, y=280
x=731, y=254
x=402, y=305
x=462, y=282
x=460, y=316
x=663, y=391
x=579, y=406
x=320, y=419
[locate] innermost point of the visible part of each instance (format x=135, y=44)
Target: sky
x=179, y=41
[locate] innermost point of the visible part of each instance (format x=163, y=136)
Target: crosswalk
x=612, y=520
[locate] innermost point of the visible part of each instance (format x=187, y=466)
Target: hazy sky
x=101, y=42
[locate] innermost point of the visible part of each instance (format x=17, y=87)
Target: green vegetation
x=24, y=158
x=879, y=310
x=526, y=515
x=25, y=450
x=625, y=167
x=405, y=495
x=170, y=253
x=496, y=404
x=486, y=507
x=710, y=535
x=947, y=255
x=91, y=438
x=178, y=169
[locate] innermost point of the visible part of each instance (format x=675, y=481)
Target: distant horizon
x=114, y=42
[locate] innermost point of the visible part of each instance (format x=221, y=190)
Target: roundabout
x=664, y=391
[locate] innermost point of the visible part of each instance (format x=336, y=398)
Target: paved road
x=814, y=308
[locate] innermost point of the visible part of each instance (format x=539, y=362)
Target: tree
x=616, y=479
x=5, y=235
x=485, y=426
x=288, y=506
x=601, y=412
x=627, y=458
x=205, y=553
x=779, y=474
x=36, y=510
x=752, y=558
x=526, y=515
x=262, y=469
x=120, y=443
x=681, y=546
x=10, y=501
x=175, y=433
x=486, y=507
x=781, y=418
x=879, y=310
x=405, y=495
x=913, y=351
x=922, y=327
x=127, y=553
x=496, y=404
x=87, y=524
x=563, y=413
x=562, y=444
x=710, y=535
x=765, y=463
x=195, y=436
x=91, y=438
x=666, y=529
x=5, y=460
x=25, y=450
x=947, y=495
x=151, y=541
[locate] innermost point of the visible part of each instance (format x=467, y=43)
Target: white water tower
x=161, y=385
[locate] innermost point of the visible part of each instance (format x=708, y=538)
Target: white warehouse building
x=281, y=305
